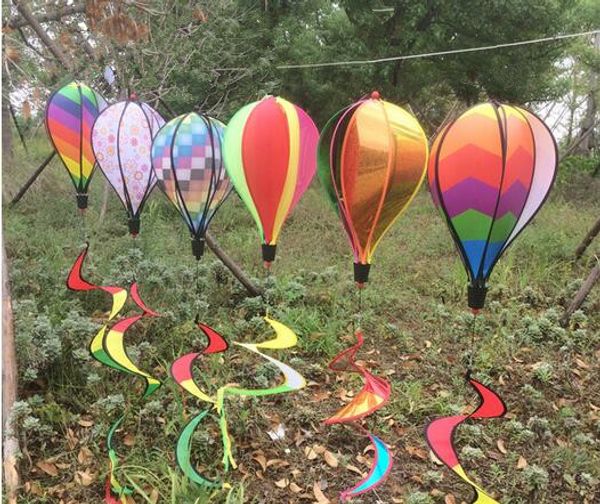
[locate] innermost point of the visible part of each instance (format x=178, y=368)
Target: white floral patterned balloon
x=122, y=140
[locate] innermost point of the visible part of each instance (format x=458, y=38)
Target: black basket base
x=268, y=253
x=198, y=247
x=361, y=274
x=476, y=296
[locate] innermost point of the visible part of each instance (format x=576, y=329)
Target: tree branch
x=52, y=45
x=19, y=22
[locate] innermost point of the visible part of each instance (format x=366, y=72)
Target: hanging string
x=198, y=292
x=440, y=53
x=265, y=292
x=82, y=226
x=472, y=344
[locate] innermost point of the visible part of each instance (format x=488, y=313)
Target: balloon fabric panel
x=307, y=163
x=265, y=158
x=232, y=154
x=544, y=172
x=406, y=172
x=364, y=169
x=187, y=160
x=161, y=160
x=122, y=139
x=70, y=114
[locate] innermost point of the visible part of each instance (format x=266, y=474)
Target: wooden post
x=582, y=294
x=9, y=389
x=32, y=179
x=585, y=243
x=231, y=265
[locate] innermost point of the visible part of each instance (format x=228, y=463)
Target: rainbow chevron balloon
x=490, y=171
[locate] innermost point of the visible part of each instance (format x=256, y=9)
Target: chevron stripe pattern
x=484, y=169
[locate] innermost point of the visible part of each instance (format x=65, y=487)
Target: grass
x=416, y=328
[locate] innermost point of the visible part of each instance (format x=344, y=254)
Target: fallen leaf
x=85, y=423
x=319, y=448
x=582, y=364
x=330, y=458
x=295, y=488
x=154, y=495
x=71, y=439
x=261, y=459
x=85, y=456
x=434, y=458
x=449, y=499
x=85, y=478
x=129, y=440
x=363, y=460
x=277, y=463
x=521, y=463
x=47, y=467
x=417, y=452
x=319, y=495
x=310, y=453
x=282, y=483
x=355, y=469
x=501, y=446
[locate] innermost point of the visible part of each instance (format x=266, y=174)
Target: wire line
x=441, y=53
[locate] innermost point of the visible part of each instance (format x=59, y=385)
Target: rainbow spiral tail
x=182, y=372
x=108, y=347
x=440, y=435
x=380, y=470
x=374, y=395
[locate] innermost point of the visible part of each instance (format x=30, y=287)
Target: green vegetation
x=416, y=325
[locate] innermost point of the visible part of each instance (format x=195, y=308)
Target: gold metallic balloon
x=372, y=159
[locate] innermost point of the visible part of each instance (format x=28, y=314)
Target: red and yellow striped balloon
x=270, y=155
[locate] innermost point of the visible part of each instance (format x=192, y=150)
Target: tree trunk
x=231, y=265
x=588, y=143
x=104, y=206
x=6, y=131
x=579, y=298
x=580, y=250
x=9, y=389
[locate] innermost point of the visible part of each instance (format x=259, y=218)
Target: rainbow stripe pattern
x=70, y=115
x=270, y=155
x=440, y=435
x=490, y=171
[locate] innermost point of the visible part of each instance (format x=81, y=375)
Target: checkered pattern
x=193, y=162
